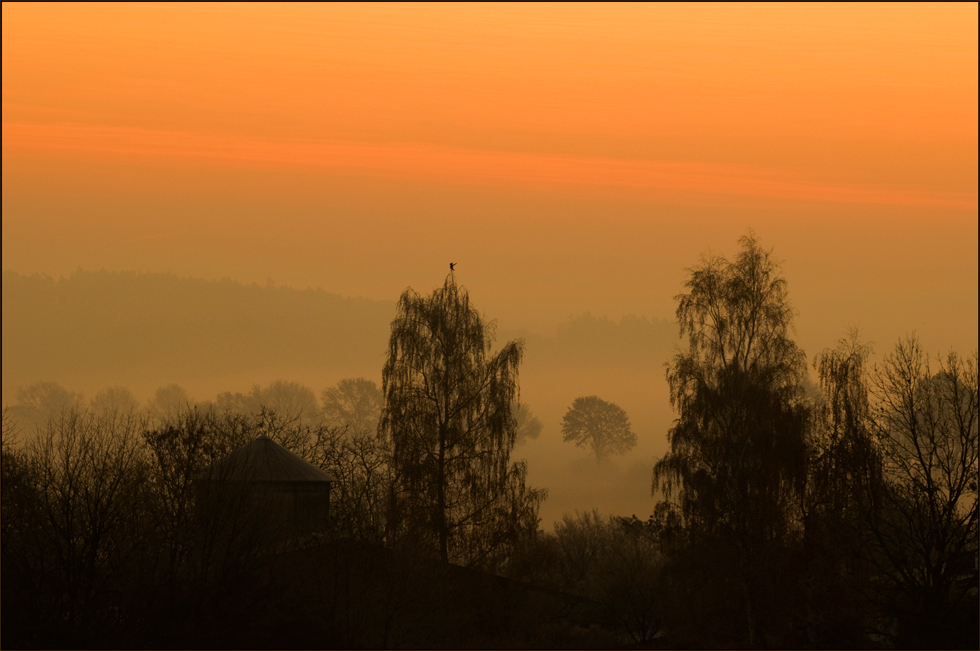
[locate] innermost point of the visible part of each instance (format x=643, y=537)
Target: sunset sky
x=569, y=158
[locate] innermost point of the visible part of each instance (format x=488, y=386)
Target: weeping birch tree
x=448, y=415
x=736, y=457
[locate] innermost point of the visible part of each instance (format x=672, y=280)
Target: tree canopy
x=926, y=524
x=736, y=448
x=602, y=426
x=354, y=403
x=448, y=414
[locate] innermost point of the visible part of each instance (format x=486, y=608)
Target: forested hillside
x=135, y=329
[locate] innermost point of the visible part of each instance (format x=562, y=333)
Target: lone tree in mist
x=448, y=415
x=603, y=426
x=737, y=447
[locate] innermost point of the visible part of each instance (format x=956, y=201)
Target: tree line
x=841, y=515
x=99, y=502
x=795, y=510
x=790, y=512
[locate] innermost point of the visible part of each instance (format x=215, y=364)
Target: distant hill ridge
x=106, y=321
x=157, y=325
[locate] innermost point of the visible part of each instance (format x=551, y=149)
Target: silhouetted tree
x=183, y=447
x=448, y=416
x=736, y=454
x=77, y=527
x=15, y=487
x=927, y=525
x=355, y=403
x=361, y=462
x=614, y=562
x=843, y=482
x=603, y=426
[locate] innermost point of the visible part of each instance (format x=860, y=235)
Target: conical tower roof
x=264, y=460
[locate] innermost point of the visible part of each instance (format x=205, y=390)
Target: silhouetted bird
x=452, y=266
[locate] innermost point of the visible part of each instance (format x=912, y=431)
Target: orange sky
x=571, y=158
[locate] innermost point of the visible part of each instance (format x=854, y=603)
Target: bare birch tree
x=926, y=526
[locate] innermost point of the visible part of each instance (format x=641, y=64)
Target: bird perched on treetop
x=452, y=266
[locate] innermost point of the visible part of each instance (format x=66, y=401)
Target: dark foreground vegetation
x=840, y=512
